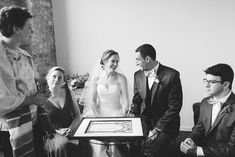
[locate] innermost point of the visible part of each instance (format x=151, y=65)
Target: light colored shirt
x=152, y=75
x=217, y=107
x=17, y=80
x=215, y=111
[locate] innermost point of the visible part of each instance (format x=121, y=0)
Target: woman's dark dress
x=62, y=118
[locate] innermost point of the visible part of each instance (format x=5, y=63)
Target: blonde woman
x=62, y=109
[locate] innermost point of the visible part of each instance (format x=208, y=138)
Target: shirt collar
x=155, y=68
x=223, y=99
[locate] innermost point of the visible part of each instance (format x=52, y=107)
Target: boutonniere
x=157, y=80
x=227, y=109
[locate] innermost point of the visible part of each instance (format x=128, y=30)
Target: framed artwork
x=110, y=127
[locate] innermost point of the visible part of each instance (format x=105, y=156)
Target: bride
x=106, y=96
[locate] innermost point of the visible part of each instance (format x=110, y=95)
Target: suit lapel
x=155, y=86
x=229, y=101
x=142, y=84
x=208, y=117
x=217, y=120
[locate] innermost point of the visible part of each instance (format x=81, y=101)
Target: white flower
x=156, y=80
x=226, y=109
x=73, y=82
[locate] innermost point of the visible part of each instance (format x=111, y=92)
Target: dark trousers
x=5, y=145
x=38, y=141
x=157, y=149
x=174, y=151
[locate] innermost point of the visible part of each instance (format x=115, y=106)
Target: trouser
x=158, y=147
x=5, y=145
x=38, y=141
x=174, y=151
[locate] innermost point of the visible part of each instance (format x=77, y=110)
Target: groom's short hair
x=147, y=50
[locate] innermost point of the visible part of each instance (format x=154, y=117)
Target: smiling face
x=141, y=62
x=55, y=79
x=111, y=64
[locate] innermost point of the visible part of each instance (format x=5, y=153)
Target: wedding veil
x=86, y=96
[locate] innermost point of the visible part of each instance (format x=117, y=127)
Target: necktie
x=215, y=109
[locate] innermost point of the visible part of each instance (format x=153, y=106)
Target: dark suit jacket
x=165, y=104
x=217, y=140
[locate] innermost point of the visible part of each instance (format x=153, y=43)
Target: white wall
x=189, y=35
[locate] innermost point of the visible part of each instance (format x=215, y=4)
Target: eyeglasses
x=210, y=82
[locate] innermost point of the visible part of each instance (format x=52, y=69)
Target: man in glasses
x=214, y=134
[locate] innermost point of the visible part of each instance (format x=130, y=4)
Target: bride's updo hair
x=106, y=55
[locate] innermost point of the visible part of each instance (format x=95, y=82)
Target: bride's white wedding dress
x=109, y=100
x=109, y=103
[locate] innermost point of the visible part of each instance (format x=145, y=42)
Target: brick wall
x=42, y=47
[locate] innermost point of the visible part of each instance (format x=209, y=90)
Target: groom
x=157, y=100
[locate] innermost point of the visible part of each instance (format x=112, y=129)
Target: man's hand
x=37, y=99
x=188, y=147
x=133, y=109
x=153, y=134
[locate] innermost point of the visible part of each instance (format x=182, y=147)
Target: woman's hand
x=63, y=131
x=130, y=115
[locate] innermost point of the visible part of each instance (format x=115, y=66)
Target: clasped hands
x=63, y=131
x=188, y=147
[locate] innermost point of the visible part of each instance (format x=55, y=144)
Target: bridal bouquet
x=76, y=81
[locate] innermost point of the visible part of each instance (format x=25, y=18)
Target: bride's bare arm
x=76, y=110
x=125, y=103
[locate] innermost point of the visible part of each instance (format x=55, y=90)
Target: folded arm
x=77, y=114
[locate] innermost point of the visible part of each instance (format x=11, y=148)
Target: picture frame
x=110, y=128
